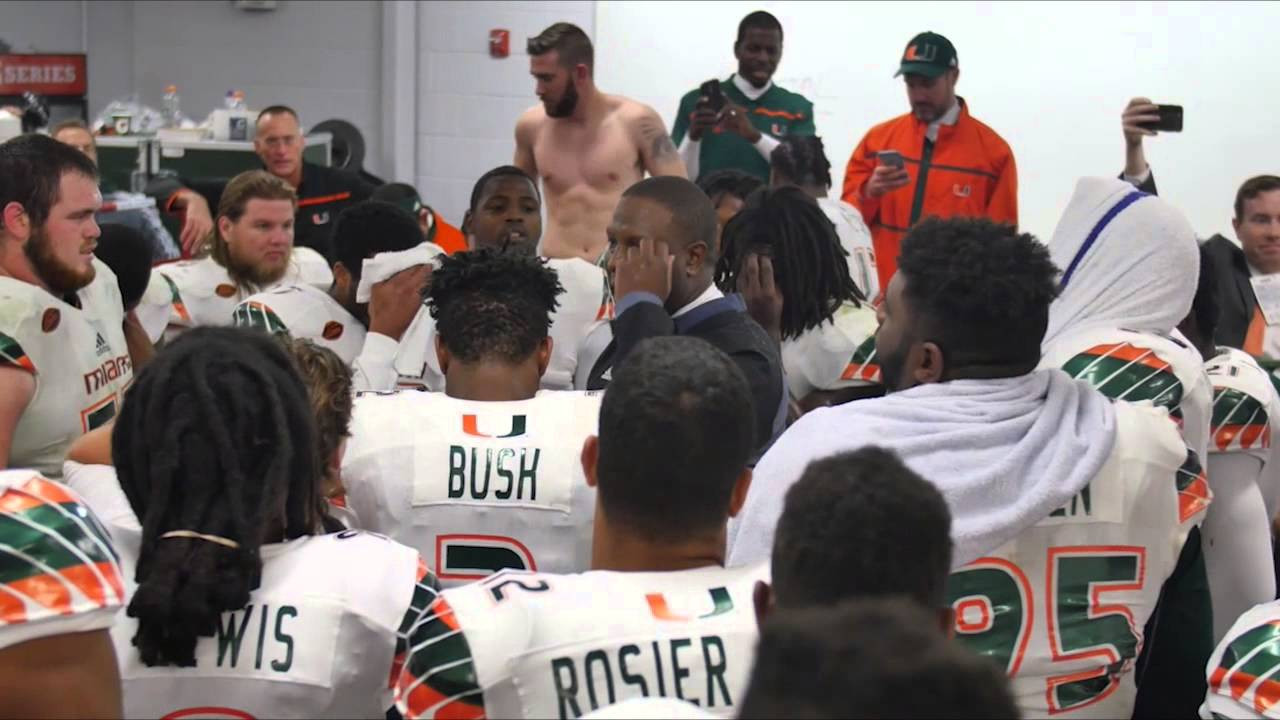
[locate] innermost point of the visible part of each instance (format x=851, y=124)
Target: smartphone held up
x=1170, y=119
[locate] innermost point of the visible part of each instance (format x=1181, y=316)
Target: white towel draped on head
x=1129, y=260
x=1004, y=453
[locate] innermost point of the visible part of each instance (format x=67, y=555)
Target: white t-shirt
x=204, y=294
x=834, y=355
x=536, y=645
x=1066, y=602
x=79, y=360
x=855, y=238
x=475, y=486
x=61, y=572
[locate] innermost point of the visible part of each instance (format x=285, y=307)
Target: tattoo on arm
x=659, y=142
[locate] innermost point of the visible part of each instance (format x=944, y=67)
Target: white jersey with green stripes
x=1062, y=607
x=1244, y=671
x=60, y=574
x=833, y=355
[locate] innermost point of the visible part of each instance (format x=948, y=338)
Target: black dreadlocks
x=802, y=160
x=809, y=266
x=216, y=437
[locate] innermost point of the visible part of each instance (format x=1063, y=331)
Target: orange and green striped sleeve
x=58, y=570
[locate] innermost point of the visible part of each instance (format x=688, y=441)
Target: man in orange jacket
x=952, y=164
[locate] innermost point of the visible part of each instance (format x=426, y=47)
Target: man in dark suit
x=662, y=257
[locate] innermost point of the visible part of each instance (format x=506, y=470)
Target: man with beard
x=505, y=214
x=358, y=332
x=585, y=146
x=1059, y=497
x=252, y=251
x=63, y=357
x=944, y=162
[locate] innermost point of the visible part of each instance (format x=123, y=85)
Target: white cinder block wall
x=468, y=102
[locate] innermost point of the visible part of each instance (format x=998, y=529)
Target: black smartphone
x=715, y=97
x=1170, y=119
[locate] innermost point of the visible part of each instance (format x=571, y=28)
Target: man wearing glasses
x=323, y=192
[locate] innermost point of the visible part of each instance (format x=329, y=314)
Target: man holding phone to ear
x=736, y=123
x=935, y=160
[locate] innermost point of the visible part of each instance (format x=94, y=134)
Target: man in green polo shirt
x=743, y=133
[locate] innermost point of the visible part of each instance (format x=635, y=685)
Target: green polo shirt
x=777, y=113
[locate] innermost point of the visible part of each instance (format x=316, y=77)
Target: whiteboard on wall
x=1051, y=78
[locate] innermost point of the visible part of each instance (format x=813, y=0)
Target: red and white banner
x=43, y=74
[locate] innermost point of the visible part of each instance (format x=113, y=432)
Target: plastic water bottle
x=170, y=109
x=230, y=100
x=238, y=99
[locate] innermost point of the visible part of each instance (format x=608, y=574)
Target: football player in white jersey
x=1069, y=512
x=239, y=606
x=1130, y=267
x=658, y=614
x=505, y=214
x=1244, y=471
x=847, y=523
x=801, y=161
x=485, y=475
x=783, y=255
x=1242, y=674
x=63, y=359
x=360, y=333
x=62, y=588
x=252, y=251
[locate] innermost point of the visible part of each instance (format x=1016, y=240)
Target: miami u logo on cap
x=470, y=426
x=914, y=53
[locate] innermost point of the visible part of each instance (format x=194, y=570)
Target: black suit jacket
x=725, y=324
x=1235, y=293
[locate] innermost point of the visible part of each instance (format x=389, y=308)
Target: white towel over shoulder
x=1004, y=453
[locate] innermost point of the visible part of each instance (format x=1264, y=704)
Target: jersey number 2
x=995, y=615
x=473, y=557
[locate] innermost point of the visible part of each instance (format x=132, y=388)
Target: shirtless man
x=586, y=146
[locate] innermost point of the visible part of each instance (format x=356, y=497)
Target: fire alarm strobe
x=499, y=43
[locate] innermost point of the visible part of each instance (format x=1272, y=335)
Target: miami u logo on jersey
x=470, y=426
x=720, y=600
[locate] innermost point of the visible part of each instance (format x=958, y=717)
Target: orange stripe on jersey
x=1125, y=351
x=441, y=609
x=1249, y=434
x=423, y=698
x=50, y=590
x=422, y=569
x=1194, y=498
x=45, y=590
x=778, y=113
x=46, y=490
x=12, y=610
x=857, y=371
